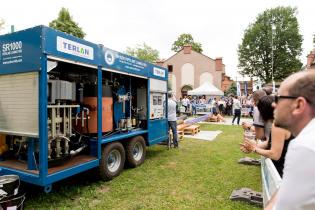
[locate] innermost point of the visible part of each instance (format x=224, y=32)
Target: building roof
x=165, y=60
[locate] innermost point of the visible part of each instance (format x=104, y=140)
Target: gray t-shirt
x=236, y=104
x=258, y=121
x=171, y=110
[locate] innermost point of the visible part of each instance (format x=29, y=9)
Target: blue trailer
x=68, y=105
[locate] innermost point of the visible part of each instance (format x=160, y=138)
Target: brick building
x=189, y=69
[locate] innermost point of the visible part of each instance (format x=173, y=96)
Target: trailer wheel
x=112, y=161
x=135, y=151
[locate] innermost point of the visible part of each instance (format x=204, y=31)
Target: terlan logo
x=74, y=48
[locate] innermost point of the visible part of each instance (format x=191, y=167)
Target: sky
x=117, y=24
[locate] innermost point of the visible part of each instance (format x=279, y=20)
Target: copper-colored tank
x=107, y=114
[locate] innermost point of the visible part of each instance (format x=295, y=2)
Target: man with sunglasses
x=295, y=111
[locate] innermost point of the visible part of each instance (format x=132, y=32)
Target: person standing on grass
x=185, y=103
x=237, y=110
x=172, y=124
x=193, y=106
x=295, y=111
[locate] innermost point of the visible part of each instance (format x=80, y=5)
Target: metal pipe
x=77, y=151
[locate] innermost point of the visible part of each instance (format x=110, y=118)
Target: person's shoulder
x=171, y=101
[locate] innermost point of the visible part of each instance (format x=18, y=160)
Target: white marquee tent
x=206, y=89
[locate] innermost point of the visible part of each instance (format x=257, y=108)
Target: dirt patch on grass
x=170, y=165
x=103, y=189
x=94, y=203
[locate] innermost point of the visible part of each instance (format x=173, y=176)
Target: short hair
x=304, y=86
x=265, y=107
x=170, y=95
x=268, y=90
x=258, y=94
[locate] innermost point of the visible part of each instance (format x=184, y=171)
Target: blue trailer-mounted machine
x=68, y=105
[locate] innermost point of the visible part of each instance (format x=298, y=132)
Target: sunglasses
x=278, y=97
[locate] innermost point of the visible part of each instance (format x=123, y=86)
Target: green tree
x=143, y=52
x=255, y=54
x=65, y=23
x=186, y=39
x=231, y=90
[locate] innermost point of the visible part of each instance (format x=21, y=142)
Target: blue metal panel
x=157, y=131
x=126, y=135
x=112, y=59
x=20, y=51
x=24, y=176
x=31, y=161
x=158, y=72
x=71, y=171
x=99, y=111
x=66, y=46
x=43, y=133
x=148, y=111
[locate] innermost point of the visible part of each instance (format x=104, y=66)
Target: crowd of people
x=224, y=105
x=284, y=125
x=283, y=130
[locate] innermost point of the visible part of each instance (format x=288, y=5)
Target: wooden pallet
x=212, y=119
x=192, y=129
x=180, y=135
x=181, y=127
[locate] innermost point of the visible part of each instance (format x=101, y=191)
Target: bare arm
x=272, y=201
x=278, y=136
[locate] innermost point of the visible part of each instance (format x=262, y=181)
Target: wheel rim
x=113, y=160
x=137, y=151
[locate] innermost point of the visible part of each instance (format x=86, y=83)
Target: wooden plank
x=17, y=165
x=22, y=166
x=77, y=160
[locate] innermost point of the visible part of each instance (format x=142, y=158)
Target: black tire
x=112, y=161
x=135, y=151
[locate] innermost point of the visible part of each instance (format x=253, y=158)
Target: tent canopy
x=206, y=89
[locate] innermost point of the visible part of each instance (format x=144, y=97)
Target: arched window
x=188, y=74
x=204, y=77
x=185, y=89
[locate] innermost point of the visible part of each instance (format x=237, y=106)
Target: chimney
x=187, y=49
x=160, y=62
x=218, y=64
x=310, y=59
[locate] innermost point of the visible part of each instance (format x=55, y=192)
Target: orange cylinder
x=107, y=114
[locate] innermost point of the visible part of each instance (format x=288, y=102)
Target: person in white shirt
x=185, y=102
x=295, y=111
x=237, y=110
x=172, y=119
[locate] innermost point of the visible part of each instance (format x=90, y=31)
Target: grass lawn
x=198, y=175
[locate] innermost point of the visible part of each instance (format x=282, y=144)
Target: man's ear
x=299, y=106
